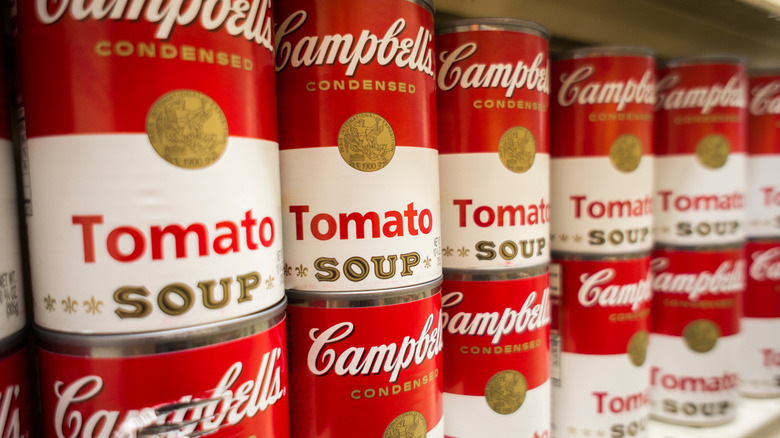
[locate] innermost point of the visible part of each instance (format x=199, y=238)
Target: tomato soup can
x=763, y=160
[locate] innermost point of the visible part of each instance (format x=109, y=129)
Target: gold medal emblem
x=505, y=391
x=713, y=151
x=410, y=424
x=187, y=129
x=517, y=149
x=701, y=335
x=626, y=153
x=366, y=142
x=637, y=348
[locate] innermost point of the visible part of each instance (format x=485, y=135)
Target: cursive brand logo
x=10, y=423
x=389, y=358
x=351, y=51
x=766, y=265
x=252, y=21
x=594, y=292
x=766, y=99
x=576, y=89
x=670, y=97
x=729, y=278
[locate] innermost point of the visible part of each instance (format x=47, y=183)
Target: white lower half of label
x=760, y=372
x=123, y=241
x=12, y=317
x=348, y=230
x=695, y=205
x=763, y=196
x=598, y=209
x=690, y=388
x=469, y=416
x=599, y=395
x=492, y=217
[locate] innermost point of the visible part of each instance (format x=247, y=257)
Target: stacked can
x=15, y=390
x=760, y=371
x=602, y=172
x=154, y=216
x=360, y=205
x=493, y=101
x=698, y=264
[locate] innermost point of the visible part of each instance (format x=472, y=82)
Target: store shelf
x=757, y=418
x=672, y=28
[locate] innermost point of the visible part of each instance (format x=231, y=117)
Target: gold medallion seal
x=366, y=142
x=410, y=424
x=713, y=150
x=637, y=348
x=187, y=129
x=505, y=391
x=701, y=335
x=517, y=149
x=626, y=153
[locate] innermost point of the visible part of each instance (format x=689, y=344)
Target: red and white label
x=243, y=390
x=493, y=134
x=342, y=69
x=763, y=182
x=16, y=396
x=601, y=146
x=762, y=296
x=142, y=243
x=353, y=371
x=700, y=173
x=494, y=330
x=600, y=374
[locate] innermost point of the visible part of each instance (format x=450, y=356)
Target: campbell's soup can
x=496, y=329
x=357, y=127
x=494, y=157
x=763, y=160
x=16, y=391
x=224, y=379
x=695, y=334
x=366, y=363
x=601, y=144
x=12, y=311
x=599, y=341
x=760, y=371
x=153, y=163
x=701, y=152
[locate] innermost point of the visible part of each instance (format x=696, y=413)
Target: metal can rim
x=713, y=58
x=708, y=247
x=586, y=257
x=372, y=298
x=592, y=52
x=165, y=341
x=502, y=274
x=492, y=23
x=427, y=4
x=764, y=71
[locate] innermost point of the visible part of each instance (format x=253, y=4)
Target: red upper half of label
x=762, y=296
x=694, y=101
x=694, y=285
x=603, y=304
x=764, y=115
x=487, y=83
x=338, y=60
x=596, y=100
x=98, y=67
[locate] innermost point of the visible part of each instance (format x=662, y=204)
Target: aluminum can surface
x=153, y=180
x=763, y=178
x=12, y=313
x=226, y=379
x=497, y=353
x=701, y=152
x=601, y=148
x=494, y=160
x=599, y=342
x=357, y=126
x=760, y=371
x=695, y=334
x=16, y=393
x=366, y=364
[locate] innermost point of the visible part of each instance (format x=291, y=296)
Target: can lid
x=714, y=58
x=137, y=344
x=427, y=4
x=372, y=298
x=490, y=23
x=592, y=52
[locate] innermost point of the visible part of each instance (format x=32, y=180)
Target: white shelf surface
x=756, y=418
